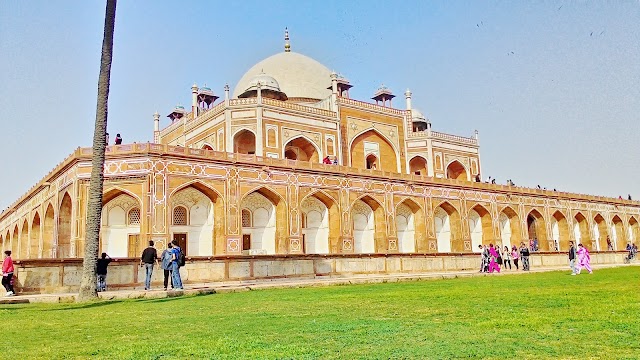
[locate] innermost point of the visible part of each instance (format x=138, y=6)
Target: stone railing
x=449, y=137
x=243, y=101
x=297, y=107
x=374, y=107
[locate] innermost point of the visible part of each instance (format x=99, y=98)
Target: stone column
x=390, y=216
x=295, y=233
x=234, y=235
x=346, y=229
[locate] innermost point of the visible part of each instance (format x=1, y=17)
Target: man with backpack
x=166, y=260
x=176, y=259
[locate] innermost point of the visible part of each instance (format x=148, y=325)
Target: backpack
x=181, y=258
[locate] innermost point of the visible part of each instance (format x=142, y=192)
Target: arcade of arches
x=280, y=220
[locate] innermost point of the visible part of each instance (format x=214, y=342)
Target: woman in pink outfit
x=584, y=260
x=493, y=265
x=515, y=254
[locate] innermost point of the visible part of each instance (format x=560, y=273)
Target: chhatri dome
x=300, y=77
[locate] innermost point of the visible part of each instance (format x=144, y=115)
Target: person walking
x=175, y=265
x=584, y=260
x=506, y=257
x=493, y=265
x=524, y=255
x=572, y=257
x=101, y=271
x=516, y=255
x=481, y=258
x=7, y=273
x=165, y=259
x=147, y=259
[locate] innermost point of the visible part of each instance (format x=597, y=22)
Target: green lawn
x=533, y=316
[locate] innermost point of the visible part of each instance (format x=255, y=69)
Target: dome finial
x=287, y=46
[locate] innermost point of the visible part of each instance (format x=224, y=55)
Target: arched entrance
x=581, y=230
x=411, y=228
x=47, y=233
x=537, y=231
x=368, y=226
x=480, y=227
x=617, y=234
x=447, y=224
x=24, y=241
x=456, y=171
x=207, y=147
x=120, y=226
x=244, y=142
x=14, y=242
x=559, y=232
x=371, y=142
x=301, y=149
x=195, y=209
x=509, y=227
x=64, y=228
x=34, y=237
x=264, y=223
x=418, y=166
x=316, y=225
x=634, y=231
x=600, y=233
x=372, y=162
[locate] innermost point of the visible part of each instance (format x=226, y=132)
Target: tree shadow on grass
x=89, y=305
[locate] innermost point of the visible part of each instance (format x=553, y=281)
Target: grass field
x=532, y=316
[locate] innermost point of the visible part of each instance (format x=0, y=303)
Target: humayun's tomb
x=239, y=180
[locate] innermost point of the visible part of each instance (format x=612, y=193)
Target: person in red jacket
x=7, y=273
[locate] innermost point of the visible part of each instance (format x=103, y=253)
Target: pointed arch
x=634, y=230
x=411, y=227
x=536, y=230
x=321, y=223
x=510, y=232
x=302, y=148
x=270, y=230
x=244, y=142
x=447, y=224
x=481, y=227
x=456, y=171
x=369, y=225
x=118, y=237
x=560, y=231
x=418, y=166
x=24, y=240
x=618, y=237
x=208, y=147
x=381, y=147
x=34, y=237
x=213, y=194
x=63, y=248
x=15, y=241
x=600, y=232
x=47, y=232
x=581, y=230
x=114, y=191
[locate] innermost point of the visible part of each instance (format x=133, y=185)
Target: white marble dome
x=297, y=75
x=416, y=115
x=267, y=82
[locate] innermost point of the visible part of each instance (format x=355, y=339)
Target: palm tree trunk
x=94, y=207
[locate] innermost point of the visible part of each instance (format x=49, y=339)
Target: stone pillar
x=390, y=216
x=346, y=229
x=194, y=100
x=295, y=232
x=234, y=235
x=156, y=127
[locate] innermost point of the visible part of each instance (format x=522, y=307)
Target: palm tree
x=94, y=207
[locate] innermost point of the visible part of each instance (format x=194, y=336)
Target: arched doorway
x=617, y=234
x=371, y=142
x=581, y=230
x=24, y=241
x=34, y=237
x=64, y=228
x=47, y=233
x=411, y=227
x=537, y=231
x=559, y=232
x=480, y=227
x=600, y=233
x=195, y=209
x=372, y=162
x=315, y=226
x=264, y=223
x=244, y=142
x=14, y=242
x=447, y=224
x=301, y=149
x=120, y=226
x=634, y=230
x=418, y=166
x=363, y=228
x=509, y=227
x=456, y=171
x=207, y=147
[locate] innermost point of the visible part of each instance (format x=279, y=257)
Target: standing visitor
x=149, y=256
x=524, y=255
x=481, y=258
x=166, y=256
x=516, y=255
x=609, y=244
x=118, y=139
x=335, y=160
x=584, y=260
x=493, y=265
x=101, y=271
x=535, y=244
x=7, y=273
x=326, y=160
x=572, y=257
x=506, y=254
x=175, y=265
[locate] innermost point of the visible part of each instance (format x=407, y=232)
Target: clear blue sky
x=552, y=87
